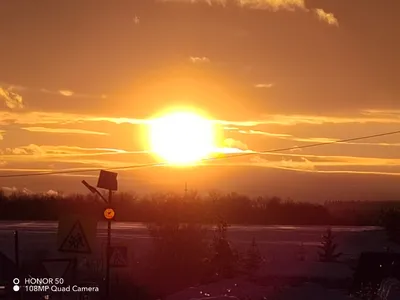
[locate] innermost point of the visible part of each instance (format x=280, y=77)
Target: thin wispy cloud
x=259, y=132
x=271, y=5
x=326, y=17
x=196, y=60
x=291, y=120
x=43, y=118
x=60, y=151
x=66, y=93
x=303, y=164
x=40, y=118
x=63, y=130
x=70, y=155
x=315, y=140
x=232, y=143
x=39, y=170
x=313, y=163
x=264, y=85
x=11, y=99
x=13, y=190
x=15, y=87
x=332, y=160
x=340, y=171
x=382, y=112
x=11, y=91
x=70, y=93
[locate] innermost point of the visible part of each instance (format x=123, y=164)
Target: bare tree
x=328, y=248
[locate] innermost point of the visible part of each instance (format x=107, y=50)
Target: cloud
x=258, y=132
x=17, y=151
x=326, y=17
x=315, y=163
x=232, y=123
x=72, y=156
x=264, y=85
x=232, y=143
x=11, y=99
x=331, y=160
x=63, y=130
x=195, y=60
x=382, y=112
x=64, y=151
x=52, y=193
x=136, y=20
x=291, y=120
x=14, y=87
x=258, y=159
x=272, y=5
x=316, y=140
x=42, y=118
x=304, y=164
x=11, y=190
x=36, y=118
x=66, y=93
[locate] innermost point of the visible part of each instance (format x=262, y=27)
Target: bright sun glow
x=182, y=138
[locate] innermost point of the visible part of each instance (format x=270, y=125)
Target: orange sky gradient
x=81, y=80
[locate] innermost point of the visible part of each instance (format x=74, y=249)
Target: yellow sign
x=109, y=213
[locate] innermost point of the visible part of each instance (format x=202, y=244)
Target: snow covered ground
x=278, y=244
x=245, y=290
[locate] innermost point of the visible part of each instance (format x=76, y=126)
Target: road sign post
x=108, y=249
x=119, y=256
x=107, y=180
x=76, y=234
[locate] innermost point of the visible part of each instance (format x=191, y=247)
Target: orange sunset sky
x=81, y=79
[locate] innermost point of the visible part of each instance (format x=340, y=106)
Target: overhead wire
x=207, y=159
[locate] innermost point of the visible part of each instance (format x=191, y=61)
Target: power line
x=309, y=146
x=207, y=159
x=80, y=170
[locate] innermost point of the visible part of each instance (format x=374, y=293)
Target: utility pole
x=186, y=189
x=108, y=249
x=16, y=248
x=107, y=180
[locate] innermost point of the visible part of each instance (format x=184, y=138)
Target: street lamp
x=93, y=190
x=107, y=180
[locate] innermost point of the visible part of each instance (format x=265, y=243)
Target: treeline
x=235, y=209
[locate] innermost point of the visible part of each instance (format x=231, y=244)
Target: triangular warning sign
x=118, y=258
x=75, y=240
x=56, y=269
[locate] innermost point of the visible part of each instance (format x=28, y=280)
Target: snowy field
x=280, y=245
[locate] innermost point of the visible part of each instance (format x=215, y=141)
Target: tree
x=224, y=259
x=176, y=260
x=390, y=220
x=253, y=258
x=328, y=248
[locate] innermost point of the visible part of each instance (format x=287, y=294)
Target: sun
x=182, y=138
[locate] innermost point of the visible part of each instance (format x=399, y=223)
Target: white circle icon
x=16, y=281
x=16, y=288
